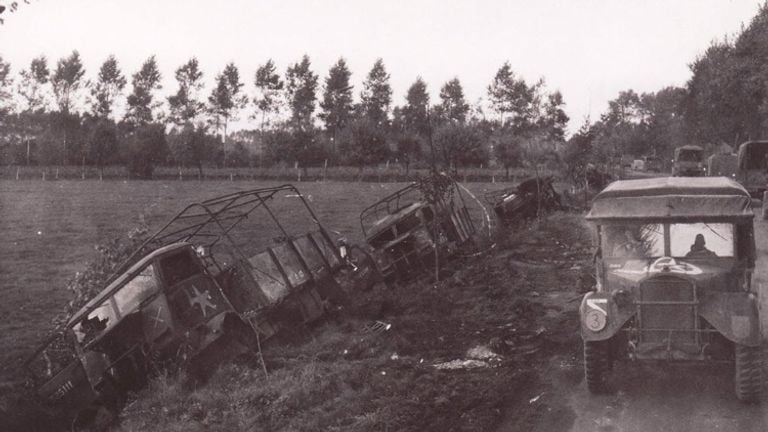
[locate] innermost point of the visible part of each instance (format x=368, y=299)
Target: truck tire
x=597, y=363
x=749, y=377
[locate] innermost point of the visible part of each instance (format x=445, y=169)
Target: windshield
x=689, y=156
x=679, y=240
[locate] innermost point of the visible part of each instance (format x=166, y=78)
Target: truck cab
x=674, y=260
x=689, y=162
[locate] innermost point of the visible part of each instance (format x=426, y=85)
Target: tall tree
x=453, y=107
x=415, y=113
x=513, y=97
x=67, y=80
x=376, y=96
x=554, y=120
x=185, y=105
x=301, y=88
x=33, y=80
x=141, y=101
x=32, y=91
x=192, y=145
x=227, y=97
x=108, y=87
x=102, y=142
x=269, y=86
x=337, y=100
x=5, y=87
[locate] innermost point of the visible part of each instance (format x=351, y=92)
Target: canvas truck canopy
x=672, y=197
x=752, y=155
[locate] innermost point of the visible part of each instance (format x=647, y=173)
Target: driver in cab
x=699, y=248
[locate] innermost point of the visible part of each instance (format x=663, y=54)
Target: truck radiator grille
x=666, y=311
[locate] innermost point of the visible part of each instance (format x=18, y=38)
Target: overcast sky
x=587, y=49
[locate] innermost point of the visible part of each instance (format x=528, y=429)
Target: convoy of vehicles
x=689, y=162
x=674, y=263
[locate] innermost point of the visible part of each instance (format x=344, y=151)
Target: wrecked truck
x=518, y=203
x=674, y=263
x=223, y=276
x=404, y=229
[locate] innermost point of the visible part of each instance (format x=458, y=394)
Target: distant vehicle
x=625, y=161
x=403, y=229
x=674, y=264
x=652, y=163
x=723, y=165
x=518, y=203
x=222, y=276
x=638, y=165
x=753, y=166
x=689, y=162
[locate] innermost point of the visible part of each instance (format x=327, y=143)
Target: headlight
x=595, y=320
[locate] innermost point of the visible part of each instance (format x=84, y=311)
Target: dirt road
x=651, y=397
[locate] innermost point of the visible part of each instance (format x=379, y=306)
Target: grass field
x=49, y=230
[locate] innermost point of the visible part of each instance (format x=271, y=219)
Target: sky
x=589, y=50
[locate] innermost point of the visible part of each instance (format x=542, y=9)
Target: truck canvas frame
x=674, y=263
x=404, y=228
x=220, y=277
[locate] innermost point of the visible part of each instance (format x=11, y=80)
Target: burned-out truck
x=222, y=276
x=404, y=229
x=515, y=204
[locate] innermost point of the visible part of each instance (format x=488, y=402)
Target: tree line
x=724, y=103
x=54, y=115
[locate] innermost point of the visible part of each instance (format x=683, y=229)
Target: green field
x=49, y=230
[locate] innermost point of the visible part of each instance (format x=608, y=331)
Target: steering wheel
x=663, y=263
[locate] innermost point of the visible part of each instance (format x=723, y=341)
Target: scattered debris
x=378, y=327
x=461, y=364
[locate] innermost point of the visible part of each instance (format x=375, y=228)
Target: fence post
x=17, y=173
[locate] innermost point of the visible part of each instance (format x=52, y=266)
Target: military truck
x=515, y=204
x=722, y=165
x=689, y=162
x=752, y=171
x=223, y=276
x=403, y=229
x=674, y=263
x=652, y=163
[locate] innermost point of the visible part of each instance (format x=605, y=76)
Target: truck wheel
x=597, y=363
x=748, y=378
